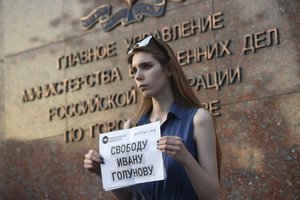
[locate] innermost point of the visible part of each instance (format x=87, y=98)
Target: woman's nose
x=138, y=75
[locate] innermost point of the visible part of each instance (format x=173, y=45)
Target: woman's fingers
x=94, y=156
x=170, y=139
x=92, y=160
x=173, y=146
x=172, y=143
x=91, y=163
x=88, y=166
x=166, y=147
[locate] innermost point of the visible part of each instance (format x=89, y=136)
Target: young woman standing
x=189, y=142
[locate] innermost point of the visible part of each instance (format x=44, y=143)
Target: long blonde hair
x=183, y=93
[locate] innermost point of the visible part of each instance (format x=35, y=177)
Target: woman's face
x=150, y=77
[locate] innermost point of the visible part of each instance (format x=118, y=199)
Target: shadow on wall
x=47, y=169
x=255, y=166
x=260, y=150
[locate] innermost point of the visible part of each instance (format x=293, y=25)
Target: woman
x=189, y=139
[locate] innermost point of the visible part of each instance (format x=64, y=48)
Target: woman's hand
x=92, y=162
x=173, y=146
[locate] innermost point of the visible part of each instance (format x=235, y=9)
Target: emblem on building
x=134, y=12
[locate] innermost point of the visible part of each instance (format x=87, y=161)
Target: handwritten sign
x=131, y=156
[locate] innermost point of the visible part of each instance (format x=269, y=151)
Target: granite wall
x=243, y=64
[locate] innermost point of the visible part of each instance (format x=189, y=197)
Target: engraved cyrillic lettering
x=59, y=63
x=216, y=21
x=166, y=34
x=111, y=126
x=271, y=33
x=234, y=75
x=131, y=96
x=206, y=23
x=69, y=111
x=216, y=79
x=105, y=77
x=111, y=49
x=115, y=75
x=258, y=39
x=181, y=57
x=186, y=29
x=28, y=95
x=121, y=100
x=191, y=56
x=213, y=106
x=212, y=84
x=195, y=24
x=201, y=83
x=224, y=48
x=248, y=44
x=223, y=77
x=192, y=81
x=90, y=80
x=176, y=32
x=201, y=54
x=211, y=51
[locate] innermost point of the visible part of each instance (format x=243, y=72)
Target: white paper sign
x=131, y=156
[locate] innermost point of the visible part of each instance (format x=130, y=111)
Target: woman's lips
x=142, y=87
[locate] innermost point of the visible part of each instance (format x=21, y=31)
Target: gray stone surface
x=269, y=71
x=260, y=114
x=29, y=120
x=1, y=31
x=2, y=129
x=262, y=139
x=31, y=24
x=2, y=94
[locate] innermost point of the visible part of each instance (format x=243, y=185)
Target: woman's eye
x=146, y=66
x=133, y=70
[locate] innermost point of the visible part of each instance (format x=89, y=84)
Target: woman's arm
x=92, y=162
x=203, y=175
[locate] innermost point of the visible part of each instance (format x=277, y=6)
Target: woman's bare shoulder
x=202, y=117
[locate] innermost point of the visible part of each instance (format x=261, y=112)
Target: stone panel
x=3, y=168
x=2, y=116
x=269, y=71
x=2, y=129
x=1, y=31
x=250, y=158
x=32, y=24
x=29, y=120
x=261, y=148
x=50, y=170
x=260, y=115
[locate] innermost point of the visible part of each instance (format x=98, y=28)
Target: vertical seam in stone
x=214, y=38
x=2, y=97
x=64, y=51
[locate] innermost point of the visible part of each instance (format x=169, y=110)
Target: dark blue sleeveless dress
x=177, y=185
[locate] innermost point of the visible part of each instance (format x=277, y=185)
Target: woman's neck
x=161, y=107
